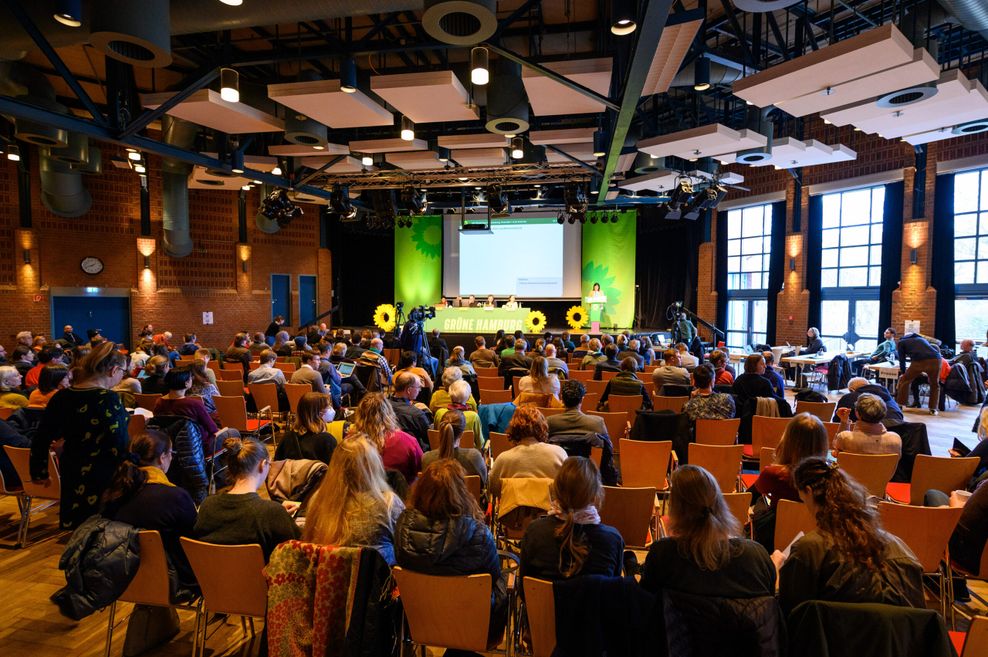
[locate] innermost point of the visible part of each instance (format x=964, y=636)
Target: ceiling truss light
x=599, y=144
x=701, y=74
x=68, y=13
x=14, y=153
x=230, y=85
x=480, y=73
x=348, y=76
x=517, y=148
x=237, y=161
x=443, y=154
x=367, y=160
x=623, y=19
x=134, y=155
x=407, y=129
x=233, y=3
x=276, y=171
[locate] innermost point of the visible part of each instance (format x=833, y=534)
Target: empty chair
x=498, y=443
x=739, y=503
x=717, y=432
x=146, y=401
x=790, y=519
x=645, y=463
x=30, y=491
x=674, y=404
x=581, y=375
x=229, y=374
x=627, y=404
x=765, y=432
x=596, y=387
x=616, y=424
x=233, y=413
x=629, y=511
x=607, y=375
x=975, y=642
x=295, y=392
x=540, y=611
x=265, y=395
x=766, y=456
x=942, y=473
x=230, y=388
x=823, y=410
x=486, y=382
x=136, y=424
x=721, y=461
x=287, y=368
x=495, y=396
x=873, y=471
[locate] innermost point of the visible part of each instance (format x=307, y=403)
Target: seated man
x=556, y=365
x=308, y=375
x=859, y=386
x=686, y=359
x=573, y=419
x=414, y=419
x=631, y=351
x=267, y=372
x=374, y=356
x=482, y=356
x=626, y=383
x=670, y=372
x=238, y=352
x=609, y=364
x=868, y=435
x=583, y=348
x=567, y=341
x=773, y=376
x=258, y=344
x=515, y=360
x=189, y=346
x=349, y=385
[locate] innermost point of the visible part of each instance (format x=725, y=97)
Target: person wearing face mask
x=308, y=438
x=93, y=422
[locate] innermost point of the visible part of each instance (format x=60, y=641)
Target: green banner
x=419, y=261
x=478, y=320
x=609, y=259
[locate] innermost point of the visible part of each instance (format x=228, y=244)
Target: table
x=804, y=362
x=887, y=372
x=478, y=320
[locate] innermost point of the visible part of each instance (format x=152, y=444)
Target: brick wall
x=174, y=292
x=914, y=298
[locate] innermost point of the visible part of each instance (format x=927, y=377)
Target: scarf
x=588, y=515
x=156, y=475
x=457, y=407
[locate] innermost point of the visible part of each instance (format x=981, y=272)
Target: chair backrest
x=833, y=428
x=590, y=401
x=5, y=413
x=873, y=471
x=514, y=383
x=739, y=503
x=596, y=387
x=146, y=401
x=674, y=404
x=295, y=392
x=645, y=462
x=629, y=511
x=150, y=585
x=717, y=432
x=926, y=530
x=581, y=375
x=230, y=388
x=823, y=410
x=499, y=443
x=548, y=412
x=627, y=404
x=495, y=396
x=136, y=424
x=234, y=365
x=466, y=438
x=215, y=366
x=264, y=394
x=287, y=368
x=597, y=455
x=722, y=461
x=976, y=641
x=230, y=374
x=790, y=519
x=430, y=601
x=475, y=486
x=232, y=411
x=942, y=473
x=607, y=375
x=230, y=576
x=489, y=382
x=20, y=458
x=540, y=607
x=766, y=456
x=649, y=386
x=615, y=423
x=767, y=431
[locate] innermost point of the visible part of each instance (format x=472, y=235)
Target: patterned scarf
x=588, y=515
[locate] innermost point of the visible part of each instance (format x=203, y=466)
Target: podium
x=596, y=304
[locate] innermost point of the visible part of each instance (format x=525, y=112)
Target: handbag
x=149, y=627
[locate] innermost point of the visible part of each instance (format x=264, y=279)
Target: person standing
x=924, y=358
x=685, y=331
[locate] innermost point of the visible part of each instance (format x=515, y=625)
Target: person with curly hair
x=531, y=455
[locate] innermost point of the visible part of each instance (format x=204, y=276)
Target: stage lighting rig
x=575, y=199
x=339, y=202
x=497, y=200
x=276, y=206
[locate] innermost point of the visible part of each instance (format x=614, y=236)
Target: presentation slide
x=519, y=256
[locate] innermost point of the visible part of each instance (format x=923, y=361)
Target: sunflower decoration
x=384, y=316
x=535, y=322
x=576, y=317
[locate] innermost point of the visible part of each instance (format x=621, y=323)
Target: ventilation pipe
x=719, y=74
x=62, y=189
x=175, y=188
x=973, y=14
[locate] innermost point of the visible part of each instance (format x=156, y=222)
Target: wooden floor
x=30, y=625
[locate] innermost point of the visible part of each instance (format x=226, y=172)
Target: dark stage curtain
x=776, y=270
x=665, y=265
x=891, y=253
x=942, y=277
x=813, y=255
x=363, y=271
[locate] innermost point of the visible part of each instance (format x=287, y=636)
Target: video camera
x=421, y=313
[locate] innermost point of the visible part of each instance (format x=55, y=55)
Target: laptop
x=345, y=369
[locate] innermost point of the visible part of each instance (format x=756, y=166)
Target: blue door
x=109, y=314
x=281, y=297
x=308, y=306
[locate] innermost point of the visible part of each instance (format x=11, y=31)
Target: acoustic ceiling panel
x=429, y=97
x=206, y=108
x=550, y=98
x=561, y=136
x=669, y=55
x=478, y=157
x=347, y=164
x=932, y=135
x=582, y=152
x=415, y=160
x=480, y=140
x=789, y=152
x=706, y=141
x=393, y=145
x=323, y=101
x=625, y=160
x=952, y=86
x=922, y=69
x=878, y=49
x=203, y=178
x=298, y=150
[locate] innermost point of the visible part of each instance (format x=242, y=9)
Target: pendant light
x=480, y=73
x=230, y=85
x=407, y=129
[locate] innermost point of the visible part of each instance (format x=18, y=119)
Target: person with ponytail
x=308, y=438
x=705, y=553
x=239, y=516
x=571, y=541
x=451, y=428
x=93, y=422
x=848, y=557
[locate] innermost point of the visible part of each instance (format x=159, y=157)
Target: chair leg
x=109, y=628
x=25, y=524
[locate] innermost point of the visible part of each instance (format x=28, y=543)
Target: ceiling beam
x=148, y=116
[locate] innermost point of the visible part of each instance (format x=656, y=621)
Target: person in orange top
x=54, y=377
x=719, y=360
x=45, y=356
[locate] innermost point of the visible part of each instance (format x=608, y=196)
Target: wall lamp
x=147, y=262
x=792, y=264
x=27, y=257
x=243, y=251
x=913, y=257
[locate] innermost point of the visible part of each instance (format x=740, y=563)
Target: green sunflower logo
x=427, y=235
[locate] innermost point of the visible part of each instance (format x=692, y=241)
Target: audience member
x=451, y=428
x=205, y=356
x=373, y=356
x=376, y=420
x=671, y=371
x=201, y=386
x=175, y=402
x=190, y=346
x=538, y=380
x=814, y=344
x=257, y=344
x=583, y=348
x=409, y=362
x=609, y=364
x=54, y=377
x=457, y=358
x=556, y=365
x=22, y=359
x=266, y=372
x=567, y=341
x=924, y=358
x=11, y=395
x=752, y=384
x=630, y=350
x=43, y=358
x=530, y=454
x=308, y=437
x=886, y=350
x=593, y=356
x=284, y=346
x=481, y=356
x=459, y=394
x=773, y=376
x=413, y=418
x=239, y=353
x=858, y=386
x=516, y=359
x=722, y=375
x=868, y=435
x=440, y=398
x=306, y=374
x=686, y=359
x=573, y=419
x=704, y=402
x=626, y=384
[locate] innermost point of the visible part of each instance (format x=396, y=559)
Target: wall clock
x=91, y=265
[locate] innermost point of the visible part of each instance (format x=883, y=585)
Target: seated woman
x=805, y=436
x=239, y=515
x=705, y=553
x=722, y=375
x=354, y=506
x=175, y=402
x=308, y=437
x=440, y=398
x=54, y=377
x=538, y=381
x=848, y=557
x=458, y=358
x=571, y=541
x=868, y=434
x=704, y=403
x=530, y=454
x=442, y=532
x=153, y=376
x=459, y=395
x=203, y=387
x=375, y=418
x=451, y=427
x=11, y=395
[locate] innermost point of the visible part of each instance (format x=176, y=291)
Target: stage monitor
x=529, y=255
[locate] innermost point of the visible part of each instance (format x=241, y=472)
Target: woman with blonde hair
x=308, y=438
x=375, y=418
x=354, y=506
x=451, y=427
x=571, y=541
x=153, y=377
x=539, y=380
x=203, y=387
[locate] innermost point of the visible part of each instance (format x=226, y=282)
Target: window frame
x=971, y=291
x=748, y=295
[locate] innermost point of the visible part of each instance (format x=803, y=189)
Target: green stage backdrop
x=419, y=261
x=609, y=259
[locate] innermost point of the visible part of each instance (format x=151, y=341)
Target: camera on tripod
x=421, y=313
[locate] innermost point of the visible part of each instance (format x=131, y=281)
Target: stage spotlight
x=623, y=17
x=681, y=193
x=237, y=161
x=339, y=201
x=691, y=209
x=715, y=195
x=497, y=200
x=480, y=73
x=517, y=148
x=575, y=199
x=413, y=200
x=571, y=219
x=614, y=217
x=560, y=219
x=701, y=74
x=348, y=76
x=593, y=217
x=229, y=85
x=599, y=143
x=276, y=206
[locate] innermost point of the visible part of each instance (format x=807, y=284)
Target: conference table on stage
x=478, y=320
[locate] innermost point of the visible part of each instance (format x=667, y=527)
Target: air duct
x=62, y=189
x=507, y=100
x=75, y=153
x=758, y=121
x=460, y=22
x=719, y=75
x=301, y=130
x=175, y=188
x=136, y=33
x=973, y=14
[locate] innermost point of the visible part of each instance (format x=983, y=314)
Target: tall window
x=971, y=253
x=749, y=242
x=851, y=268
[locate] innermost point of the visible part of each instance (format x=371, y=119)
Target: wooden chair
x=717, y=432
x=233, y=413
x=475, y=486
x=595, y=387
x=287, y=368
x=597, y=455
x=490, y=382
x=265, y=395
x=765, y=432
x=721, y=461
x=649, y=388
x=514, y=384
x=739, y=503
x=136, y=425
x=833, y=428
x=215, y=366
x=926, y=530
x=392, y=356
x=674, y=404
x=232, y=582
x=590, y=401
x=146, y=401
x=229, y=375
x=499, y=443
x=627, y=404
x=975, y=642
x=295, y=392
x=645, y=463
x=549, y=412
x=823, y=410
x=150, y=585
x=790, y=519
x=466, y=438
x=629, y=510
x=766, y=455
x=540, y=612
x=230, y=388
x=607, y=375
x=581, y=375
x=5, y=413
x=498, y=396
x=873, y=471
x=20, y=458
x=943, y=473
x=616, y=423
